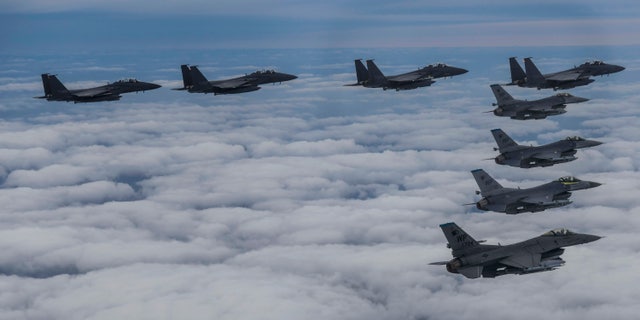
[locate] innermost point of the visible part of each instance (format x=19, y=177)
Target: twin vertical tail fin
x=186, y=76
x=517, y=74
x=502, y=96
x=505, y=143
x=485, y=182
x=457, y=238
x=53, y=88
x=196, y=76
x=534, y=76
x=375, y=75
x=361, y=72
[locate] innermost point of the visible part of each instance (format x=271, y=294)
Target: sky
x=306, y=199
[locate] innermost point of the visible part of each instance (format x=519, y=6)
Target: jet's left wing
x=523, y=260
x=539, y=199
x=91, y=93
x=549, y=156
x=565, y=76
x=231, y=84
x=407, y=77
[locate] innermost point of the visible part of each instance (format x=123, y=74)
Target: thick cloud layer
x=305, y=200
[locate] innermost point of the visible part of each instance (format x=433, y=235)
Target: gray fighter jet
x=54, y=90
x=473, y=259
x=515, y=155
x=567, y=79
x=372, y=77
x=515, y=200
x=507, y=106
x=195, y=81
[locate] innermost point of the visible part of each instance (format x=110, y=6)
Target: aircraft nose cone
x=593, y=143
x=590, y=238
x=593, y=184
x=618, y=68
x=154, y=86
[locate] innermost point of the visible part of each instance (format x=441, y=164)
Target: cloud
x=307, y=200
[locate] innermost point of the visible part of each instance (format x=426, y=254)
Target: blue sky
x=307, y=199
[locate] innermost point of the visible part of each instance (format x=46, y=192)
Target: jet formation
x=507, y=106
x=54, y=90
x=531, y=77
x=552, y=194
x=515, y=155
x=195, y=82
x=371, y=76
x=473, y=259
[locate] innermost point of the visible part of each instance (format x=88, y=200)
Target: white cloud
x=263, y=206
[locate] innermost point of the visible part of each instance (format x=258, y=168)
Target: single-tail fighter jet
x=517, y=109
x=371, y=76
x=195, y=82
x=54, y=90
x=473, y=259
x=567, y=79
x=515, y=200
x=515, y=155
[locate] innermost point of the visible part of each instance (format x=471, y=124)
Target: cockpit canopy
x=575, y=138
x=270, y=71
x=437, y=65
x=594, y=63
x=129, y=80
x=569, y=179
x=558, y=233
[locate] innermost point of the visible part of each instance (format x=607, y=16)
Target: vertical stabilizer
x=196, y=76
x=457, y=238
x=517, y=74
x=361, y=71
x=485, y=182
x=53, y=87
x=186, y=76
x=502, y=96
x=534, y=76
x=503, y=140
x=375, y=75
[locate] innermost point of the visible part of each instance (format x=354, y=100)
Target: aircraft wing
x=90, y=93
x=231, y=84
x=565, y=76
x=544, y=156
x=522, y=260
x=407, y=77
x=538, y=199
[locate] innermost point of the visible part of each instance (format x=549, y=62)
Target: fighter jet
x=567, y=79
x=507, y=106
x=372, y=77
x=513, y=201
x=516, y=155
x=195, y=81
x=473, y=259
x=54, y=90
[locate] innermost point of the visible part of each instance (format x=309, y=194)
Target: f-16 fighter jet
x=195, y=81
x=473, y=259
x=515, y=200
x=54, y=90
x=515, y=155
x=371, y=76
x=507, y=106
x=567, y=79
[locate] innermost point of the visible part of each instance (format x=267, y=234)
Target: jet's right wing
x=91, y=93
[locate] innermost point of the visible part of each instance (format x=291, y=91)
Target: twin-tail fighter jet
x=553, y=194
x=531, y=77
x=473, y=259
x=371, y=76
x=507, y=106
x=515, y=155
x=195, y=82
x=54, y=90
